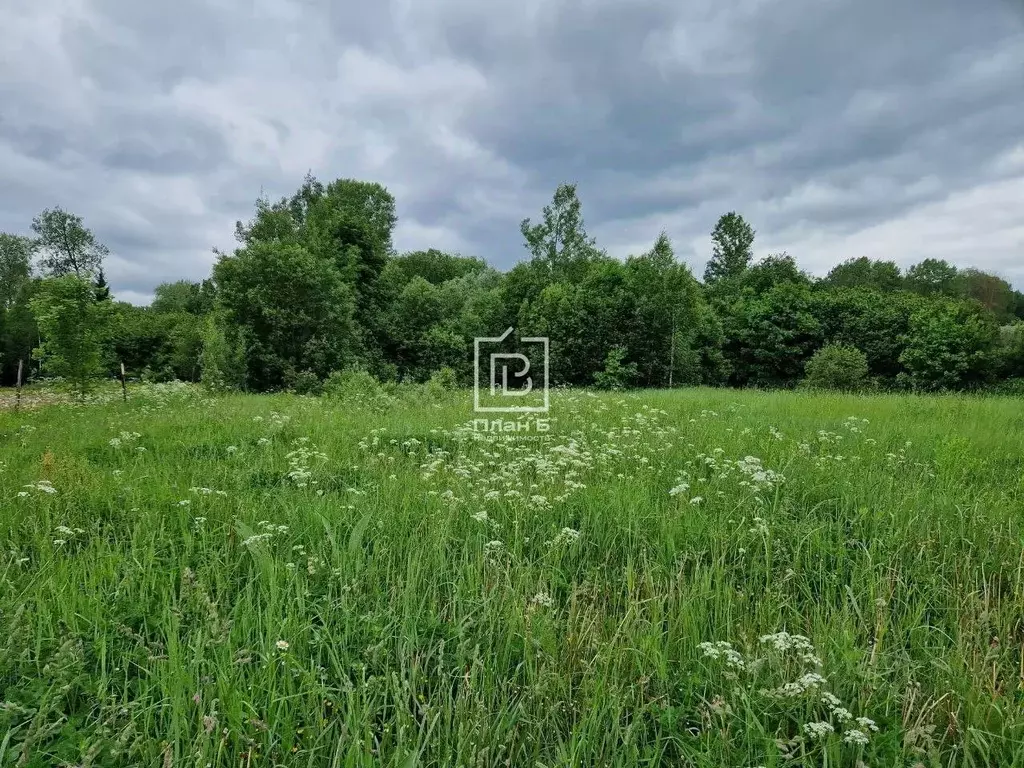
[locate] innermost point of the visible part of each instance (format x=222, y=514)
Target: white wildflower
x=818, y=730
x=856, y=737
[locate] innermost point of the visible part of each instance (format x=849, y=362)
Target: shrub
x=444, y=379
x=837, y=366
x=303, y=382
x=615, y=375
x=356, y=387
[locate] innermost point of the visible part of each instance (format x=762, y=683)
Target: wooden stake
x=124, y=385
x=17, y=403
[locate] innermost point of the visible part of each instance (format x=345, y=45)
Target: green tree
x=616, y=374
x=661, y=336
x=221, y=362
x=732, y=250
x=865, y=273
x=68, y=247
x=195, y=298
x=992, y=292
x=72, y=324
x=837, y=366
x=934, y=277
x=437, y=267
x=559, y=241
x=584, y=319
x=18, y=332
x=15, y=267
x=768, y=338
x=874, y=322
x=292, y=308
x=775, y=269
x=950, y=345
x=348, y=223
x=101, y=287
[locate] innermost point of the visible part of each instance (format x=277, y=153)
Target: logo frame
x=477, y=408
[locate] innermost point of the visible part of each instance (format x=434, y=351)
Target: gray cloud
x=839, y=128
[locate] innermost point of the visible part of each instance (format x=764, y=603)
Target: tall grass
x=237, y=580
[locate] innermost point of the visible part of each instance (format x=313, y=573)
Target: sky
x=892, y=129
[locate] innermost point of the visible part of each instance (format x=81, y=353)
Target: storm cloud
x=839, y=128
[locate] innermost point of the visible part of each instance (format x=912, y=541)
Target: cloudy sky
x=838, y=128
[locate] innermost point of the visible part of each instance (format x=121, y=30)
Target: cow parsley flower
x=818, y=730
x=856, y=737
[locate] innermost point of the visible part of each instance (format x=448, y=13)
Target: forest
x=315, y=287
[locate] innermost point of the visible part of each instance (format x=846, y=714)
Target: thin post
x=672, y=350
x=124, y=385
x=17, y=403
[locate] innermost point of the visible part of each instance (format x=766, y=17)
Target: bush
x=303, y=382
x=356, y=387
x=837, y=366
x=443, y=380
x=615, y=375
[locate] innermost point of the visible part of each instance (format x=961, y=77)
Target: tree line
x=315, y=287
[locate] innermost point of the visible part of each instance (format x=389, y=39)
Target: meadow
x=698, y=577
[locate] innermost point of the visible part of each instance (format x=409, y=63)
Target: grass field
x=697, y=578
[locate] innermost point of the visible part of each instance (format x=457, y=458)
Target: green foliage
x=67, y=246
x=356, y=388
x=303, y=383
x=615, y=374
x=583, y=319
x=865, y=273
x=876, y=323
x=731, y=253
x=663, y=328
x=15, y=267
x=559, y=242
x=18, y=332
x=184, y=296
x=346, y=227
x=992, y=292
x=768, y=338
x=1010, y=351
x=101, y=288
x=437, y=267
x=166, y=346
x=221, y=360
x=775, y=269
x=443, y=382
x=291, y=307
x=72, y=325
x=950, y=345
x=837, y=366
x=315, y=286
x=934, y=277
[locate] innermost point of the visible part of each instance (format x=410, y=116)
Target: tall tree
x=994, y=293
x=731, y=253
x=934, y=277
x=865, y=273
x=101, y=286
x=666, y=304
x=15, y=267
x=559, y=241
x=68, y=247
x=184, y=296
x=772, y=270
x=73, y=328
x=292, y=308
x=950, y=345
